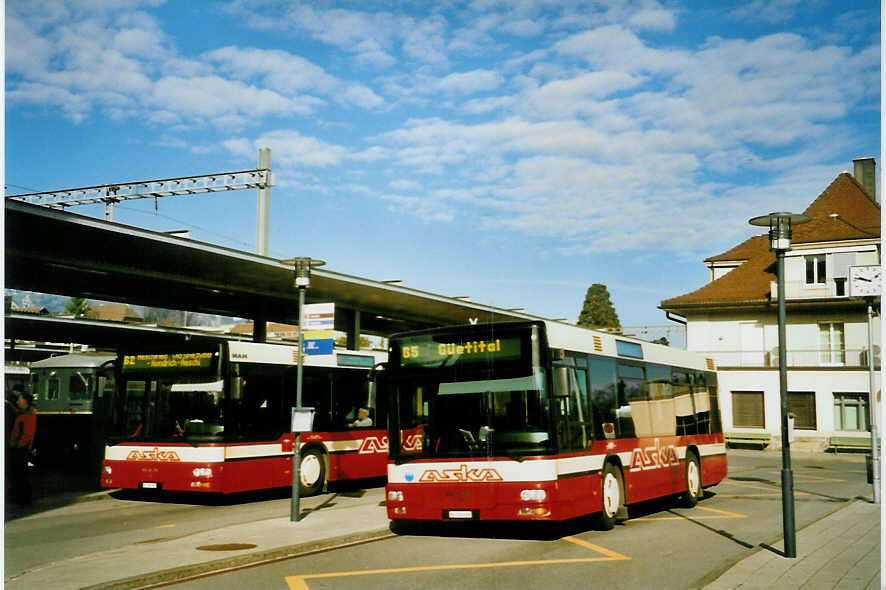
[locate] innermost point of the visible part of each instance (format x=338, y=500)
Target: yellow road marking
x=720, y=514
x=611, y=554
x=301, y=582
x=165, y=526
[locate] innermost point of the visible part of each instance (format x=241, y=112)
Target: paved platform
x=350, y=520
x=839, y=552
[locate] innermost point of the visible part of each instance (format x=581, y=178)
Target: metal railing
x=794, y=290
x=856, y=358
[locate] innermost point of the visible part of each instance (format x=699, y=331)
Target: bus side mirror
x=236, y=387
x=371, y=393
x=561, y=382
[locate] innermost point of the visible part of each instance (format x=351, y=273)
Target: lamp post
x=302, y=268
x=779, y=225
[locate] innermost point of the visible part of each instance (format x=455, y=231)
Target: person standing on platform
x=21, y=443
x=11, y=415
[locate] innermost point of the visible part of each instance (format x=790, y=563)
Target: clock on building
x=864, y=281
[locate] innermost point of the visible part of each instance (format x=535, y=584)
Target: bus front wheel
x=311, y=472
x=693, y=492
x=612, y=497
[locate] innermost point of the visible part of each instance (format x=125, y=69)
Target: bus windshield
x=170, y=396
x=466, y=395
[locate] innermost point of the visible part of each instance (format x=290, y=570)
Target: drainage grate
x=227, y=547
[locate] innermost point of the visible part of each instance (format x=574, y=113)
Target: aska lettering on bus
x=374, y=444
x=412, y=443
x=462, y=474
x=154, y=454
x=654, y=457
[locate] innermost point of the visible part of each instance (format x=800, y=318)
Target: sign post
x=302, y=268
x=866, y=281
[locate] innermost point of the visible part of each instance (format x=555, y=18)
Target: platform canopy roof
x=58, y=252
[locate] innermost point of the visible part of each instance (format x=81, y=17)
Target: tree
x=78, y=307
x=598, y=311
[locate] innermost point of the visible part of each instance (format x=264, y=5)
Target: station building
x=734, y=320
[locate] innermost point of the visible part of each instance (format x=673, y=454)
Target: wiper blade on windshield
x=515, y=456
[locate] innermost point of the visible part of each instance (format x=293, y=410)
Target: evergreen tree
x=598, y=311
x=78, y=307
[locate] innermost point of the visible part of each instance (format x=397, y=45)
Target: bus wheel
x=693, y=492
x=612, y=496
x=311, y=472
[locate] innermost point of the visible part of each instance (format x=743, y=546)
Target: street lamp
x=779, y=225
x=302, y=268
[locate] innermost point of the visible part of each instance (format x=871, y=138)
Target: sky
x=512, y=151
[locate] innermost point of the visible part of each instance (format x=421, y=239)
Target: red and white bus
x=219, y=420
x=541, y=420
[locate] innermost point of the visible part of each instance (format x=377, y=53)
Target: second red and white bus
x=219, y=420
x=545, y=421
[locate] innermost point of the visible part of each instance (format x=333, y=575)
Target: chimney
x=866, y=176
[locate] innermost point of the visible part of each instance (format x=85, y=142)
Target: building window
x=831, y=347
x=851, y=411
x=815, y=270
x=747, y=409
x=802, y=405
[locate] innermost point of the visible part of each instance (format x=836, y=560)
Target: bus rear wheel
x=611, y=496
x=689, y=498
x=311, y=472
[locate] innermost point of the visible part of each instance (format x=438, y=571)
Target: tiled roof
x=270, y=328
x=118, y=312
x=857, y=217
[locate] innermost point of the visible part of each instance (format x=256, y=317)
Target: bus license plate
x=149, y=485
x=461, y=514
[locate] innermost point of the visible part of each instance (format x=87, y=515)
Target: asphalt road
x=660, y=547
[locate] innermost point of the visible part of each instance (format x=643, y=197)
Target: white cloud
x=214, y=98
x=291, y=74
x=768, y=11
x=615, y=47
x=470, y=82
x=289, y=149
x=653, y=18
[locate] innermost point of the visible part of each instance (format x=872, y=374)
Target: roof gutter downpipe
x=679, y=320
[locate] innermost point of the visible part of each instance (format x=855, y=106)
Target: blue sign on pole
x=319, y=321
x=323, y=346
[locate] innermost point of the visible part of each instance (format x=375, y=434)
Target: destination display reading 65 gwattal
x=442, y=351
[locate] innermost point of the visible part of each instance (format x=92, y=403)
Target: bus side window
x=603, y=397
x=683, y=405
x=705, y=399
x=662, y=410
x=633, y=403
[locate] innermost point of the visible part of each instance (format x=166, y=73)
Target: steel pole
x=872, y=406
x=294, y=509
x=263, y=205
x=787, y=476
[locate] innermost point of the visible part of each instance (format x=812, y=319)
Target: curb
x=218, y=566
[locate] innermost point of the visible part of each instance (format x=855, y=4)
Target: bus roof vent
x=598, y=344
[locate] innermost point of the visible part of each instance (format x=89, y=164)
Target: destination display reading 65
x=440, y=351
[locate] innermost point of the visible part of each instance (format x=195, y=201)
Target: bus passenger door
x=573, y=426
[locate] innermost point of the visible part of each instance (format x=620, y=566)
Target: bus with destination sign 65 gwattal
x=541, y=420
x=219, y=420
